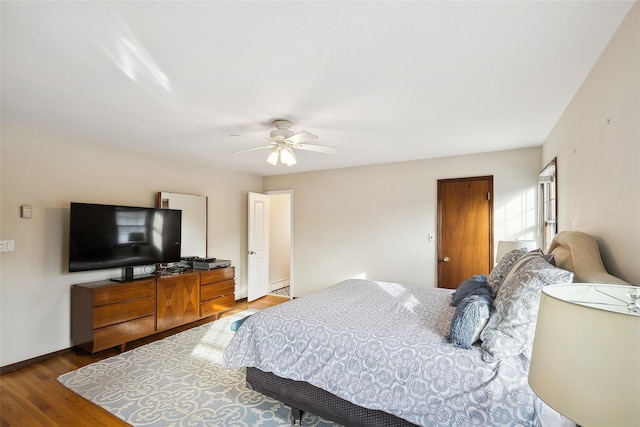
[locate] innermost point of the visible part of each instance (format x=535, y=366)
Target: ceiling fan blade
x=317, y=148
x=302, y=136
x=250, y=137
x=255, y=148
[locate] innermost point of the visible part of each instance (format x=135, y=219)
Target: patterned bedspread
x=383, y=346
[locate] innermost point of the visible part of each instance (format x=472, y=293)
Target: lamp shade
x=506, y=246
x=585, y=362
x=273, y=157
x=287, y=157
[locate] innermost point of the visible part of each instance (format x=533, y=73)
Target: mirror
x=194, y=221
x=547, y=190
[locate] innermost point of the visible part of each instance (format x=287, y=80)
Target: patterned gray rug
x=180, y=381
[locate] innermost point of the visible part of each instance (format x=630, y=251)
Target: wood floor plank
x=61, y=414
x=17, y=406
x=32, y=396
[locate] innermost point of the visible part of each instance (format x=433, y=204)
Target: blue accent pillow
x=470, y=318
x=235, y=325
x=467, y=288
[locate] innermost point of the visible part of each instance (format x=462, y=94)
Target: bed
x=371, y=353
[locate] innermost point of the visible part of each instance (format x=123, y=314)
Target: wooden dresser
x=106, y=314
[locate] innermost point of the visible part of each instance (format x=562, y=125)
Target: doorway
x=280, y=242
x=465, y=229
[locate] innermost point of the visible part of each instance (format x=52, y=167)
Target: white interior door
x=258, y=246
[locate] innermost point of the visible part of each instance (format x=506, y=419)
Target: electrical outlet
x=7, y=246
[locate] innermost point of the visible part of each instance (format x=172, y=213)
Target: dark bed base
x=301, y=396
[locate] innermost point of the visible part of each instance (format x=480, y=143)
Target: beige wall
x=597, y=142
x=48, y=172
x=373, y=221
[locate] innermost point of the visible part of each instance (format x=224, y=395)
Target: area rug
x=181, y=381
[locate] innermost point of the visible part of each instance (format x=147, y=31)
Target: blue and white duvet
x=383, y=346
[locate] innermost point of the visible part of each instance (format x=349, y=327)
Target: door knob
x=251, y=253
x=445, y=259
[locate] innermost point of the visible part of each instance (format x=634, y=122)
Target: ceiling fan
x=283, y=142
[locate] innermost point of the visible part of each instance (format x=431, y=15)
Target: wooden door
x=167, y=304
x=190, y=303
x=465, y=229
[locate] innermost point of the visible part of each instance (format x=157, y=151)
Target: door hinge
x=488, y=196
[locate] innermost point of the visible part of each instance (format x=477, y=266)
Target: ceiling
x=381, y=81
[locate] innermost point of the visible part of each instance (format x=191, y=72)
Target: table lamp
x=506, y=246
x=585, y=362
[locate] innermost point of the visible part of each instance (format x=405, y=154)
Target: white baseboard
x=278, y=284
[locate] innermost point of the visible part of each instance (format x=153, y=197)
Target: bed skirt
x=302, y=396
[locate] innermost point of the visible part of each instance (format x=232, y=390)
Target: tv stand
x=110, y=313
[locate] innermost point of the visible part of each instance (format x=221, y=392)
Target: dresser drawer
x=217, y=275
x=217, y=305
x=216, y=290
x=114, y=294
x=114, y=335
x=128, y=310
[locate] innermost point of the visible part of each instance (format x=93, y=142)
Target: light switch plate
x=25, y=211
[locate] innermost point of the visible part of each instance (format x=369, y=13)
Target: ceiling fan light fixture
x=284, y=143
x=273, y=157
x=287, y=157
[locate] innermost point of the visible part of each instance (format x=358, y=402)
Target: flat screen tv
x=108, y=236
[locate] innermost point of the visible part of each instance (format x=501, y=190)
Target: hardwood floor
x=31, y=396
